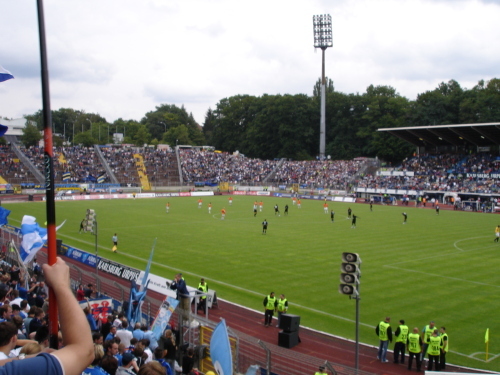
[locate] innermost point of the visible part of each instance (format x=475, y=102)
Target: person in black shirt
x=188, y=361
x=264, y=226
x=353, y=223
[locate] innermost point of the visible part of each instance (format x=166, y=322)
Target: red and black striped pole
x=49, y=173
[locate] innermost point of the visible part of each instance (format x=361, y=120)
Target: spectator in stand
x=78, y=351
x=80, y=294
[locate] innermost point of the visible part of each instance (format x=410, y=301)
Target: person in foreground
x=78, y=351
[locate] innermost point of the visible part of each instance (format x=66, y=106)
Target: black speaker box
x=59, y=249
x=288, y=339
x=289, y=323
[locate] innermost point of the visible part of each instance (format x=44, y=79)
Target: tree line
x=287, y=126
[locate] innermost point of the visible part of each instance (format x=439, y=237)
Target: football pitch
x=435, y=267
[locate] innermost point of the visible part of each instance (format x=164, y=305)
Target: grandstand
x=443, y=177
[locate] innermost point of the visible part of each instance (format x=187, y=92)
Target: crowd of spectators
x=446, y=172
x=123, y=164
x=117, y=348
x=202, y=165
x=82, y=163
x=161, y=167
x=335, y=174
x=442, y=173
x=12, y=169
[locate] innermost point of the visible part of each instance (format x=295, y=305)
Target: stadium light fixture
x=322, y=39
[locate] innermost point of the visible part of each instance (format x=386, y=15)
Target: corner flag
x=5, y=74
x=487, y=340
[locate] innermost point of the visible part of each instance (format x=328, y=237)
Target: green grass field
x=442, y=268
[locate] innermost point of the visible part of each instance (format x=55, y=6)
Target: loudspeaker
x=289, y=322
x=59, y=247
x=288, y=339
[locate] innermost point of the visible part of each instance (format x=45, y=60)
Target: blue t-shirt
x=42, y=364
x=94, y=371
x=165, y=364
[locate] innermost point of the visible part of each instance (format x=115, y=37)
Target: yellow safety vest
x=204, y=289
x=270, y=302
x=281, y=304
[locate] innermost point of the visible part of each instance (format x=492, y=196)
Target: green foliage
x=442, y=268
x=178, y=135
x=85, y=139
x=329, y=88
x=166, y=117
x=142, y=136
x=272, y=126
x=31, y=135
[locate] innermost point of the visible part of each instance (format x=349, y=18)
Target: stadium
x=438, y=265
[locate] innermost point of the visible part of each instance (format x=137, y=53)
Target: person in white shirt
x=124, y=334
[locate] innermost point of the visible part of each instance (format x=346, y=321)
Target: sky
x=123, y=58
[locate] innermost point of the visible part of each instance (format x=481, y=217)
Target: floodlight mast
x=322, y=39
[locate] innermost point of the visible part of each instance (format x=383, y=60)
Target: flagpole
x=487, y=341
x=49, y=173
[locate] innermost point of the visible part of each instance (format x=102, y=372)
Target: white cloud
x=124, y=58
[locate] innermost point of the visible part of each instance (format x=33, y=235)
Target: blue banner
x=163, y=316
x=80, y=256
x=220, y=350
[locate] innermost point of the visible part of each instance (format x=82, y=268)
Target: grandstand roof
x=445, y=135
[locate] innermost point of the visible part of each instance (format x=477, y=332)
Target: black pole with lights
x=349, y=278
x=322, y=39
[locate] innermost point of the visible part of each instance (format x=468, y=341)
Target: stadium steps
x=141, y=171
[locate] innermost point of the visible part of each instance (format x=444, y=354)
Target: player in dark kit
x=405, y=216
x=286, y=210
x=437, y=209
x=349, y=212
x=276, y=210
x=264, y=226
x=353, y=223
x=332, y=215
x=254, y=212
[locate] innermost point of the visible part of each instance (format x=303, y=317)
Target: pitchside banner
x=80, y=256
x=161, y=285
x=116, y=269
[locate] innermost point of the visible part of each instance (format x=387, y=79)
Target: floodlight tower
x=322, y=39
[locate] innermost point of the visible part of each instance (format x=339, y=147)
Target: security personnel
x=426, y=332
x=434, y=351
x=384, y=333
x=414, y=348
x=444, y=339
x=400, y=345
x=270, y=305
x=321, y=371
x=282, y=307
x=202, y=287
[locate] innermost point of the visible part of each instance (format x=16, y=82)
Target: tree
x=85, y=139
x=168, y=116
x=178, y=135
x=142, y=136
x=208, y=126
x=31, y=135
x=329, y=88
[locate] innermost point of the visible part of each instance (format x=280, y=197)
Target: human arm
x=78, y=351
x=398, y=331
